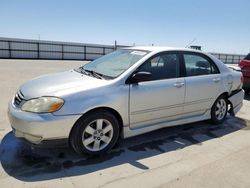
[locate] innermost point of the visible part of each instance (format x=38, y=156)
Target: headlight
x=43, y=105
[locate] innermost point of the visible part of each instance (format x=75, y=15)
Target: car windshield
x=114, y=64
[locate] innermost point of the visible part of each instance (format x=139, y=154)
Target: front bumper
x=37, y=128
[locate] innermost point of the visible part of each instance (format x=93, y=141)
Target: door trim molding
x=169, y=107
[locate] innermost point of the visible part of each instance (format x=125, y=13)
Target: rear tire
x=95, y=133
x=247, y=90
x=219, y=110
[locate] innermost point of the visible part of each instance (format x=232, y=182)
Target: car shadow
x=25, y=163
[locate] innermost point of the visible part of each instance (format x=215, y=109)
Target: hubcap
x=97, y=135
x=221, y=109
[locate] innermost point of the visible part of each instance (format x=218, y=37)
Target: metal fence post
x=62, y=51
x=38, y=51
x=115, y=44
x=85, y=55
x=9, y=49
x=226, y=59
x=103, y=51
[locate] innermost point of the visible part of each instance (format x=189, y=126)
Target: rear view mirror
x=140, y=77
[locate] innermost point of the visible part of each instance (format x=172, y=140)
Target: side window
x=197, y=65
x=163, y=66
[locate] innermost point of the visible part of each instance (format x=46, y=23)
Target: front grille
x=18, y=98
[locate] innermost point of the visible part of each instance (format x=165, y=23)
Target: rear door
x=202, y=83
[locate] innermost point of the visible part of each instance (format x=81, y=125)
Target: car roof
x=157, y=49
x=162, y=48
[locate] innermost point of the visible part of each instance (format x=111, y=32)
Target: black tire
x=214, y=117
x=247, y=91
x=77, y=132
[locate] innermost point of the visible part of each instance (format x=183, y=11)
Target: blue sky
x=217, y=25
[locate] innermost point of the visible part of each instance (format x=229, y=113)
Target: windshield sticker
x=138, y=53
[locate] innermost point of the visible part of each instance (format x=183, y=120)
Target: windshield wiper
x=82, y=70
x=96, y=74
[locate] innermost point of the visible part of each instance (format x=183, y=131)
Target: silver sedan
x=125, y=93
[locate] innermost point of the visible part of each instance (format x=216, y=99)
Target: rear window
x=247, y=57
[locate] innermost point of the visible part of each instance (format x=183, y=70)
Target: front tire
x=219, y=110
x=95, y=133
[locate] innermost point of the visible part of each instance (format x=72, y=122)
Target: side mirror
x=140, y=77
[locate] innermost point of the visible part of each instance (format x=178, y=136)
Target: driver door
x=160, y=99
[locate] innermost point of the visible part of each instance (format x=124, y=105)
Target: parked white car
x=126, y=93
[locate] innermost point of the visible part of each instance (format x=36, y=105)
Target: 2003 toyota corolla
x=126, y=93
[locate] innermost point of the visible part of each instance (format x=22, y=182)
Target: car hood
x=58, y=84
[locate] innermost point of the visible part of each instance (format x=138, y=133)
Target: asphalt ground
x=192, y=155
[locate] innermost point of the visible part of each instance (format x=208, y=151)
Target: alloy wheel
x=97, y=135
x=221, y=109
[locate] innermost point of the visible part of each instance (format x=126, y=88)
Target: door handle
x=178, y=84
x=216, y=80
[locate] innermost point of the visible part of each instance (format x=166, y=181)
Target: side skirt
x=128, y=132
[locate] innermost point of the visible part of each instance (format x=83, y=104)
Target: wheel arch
x=111, y=110
x=226, y=94
x=214, y=119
